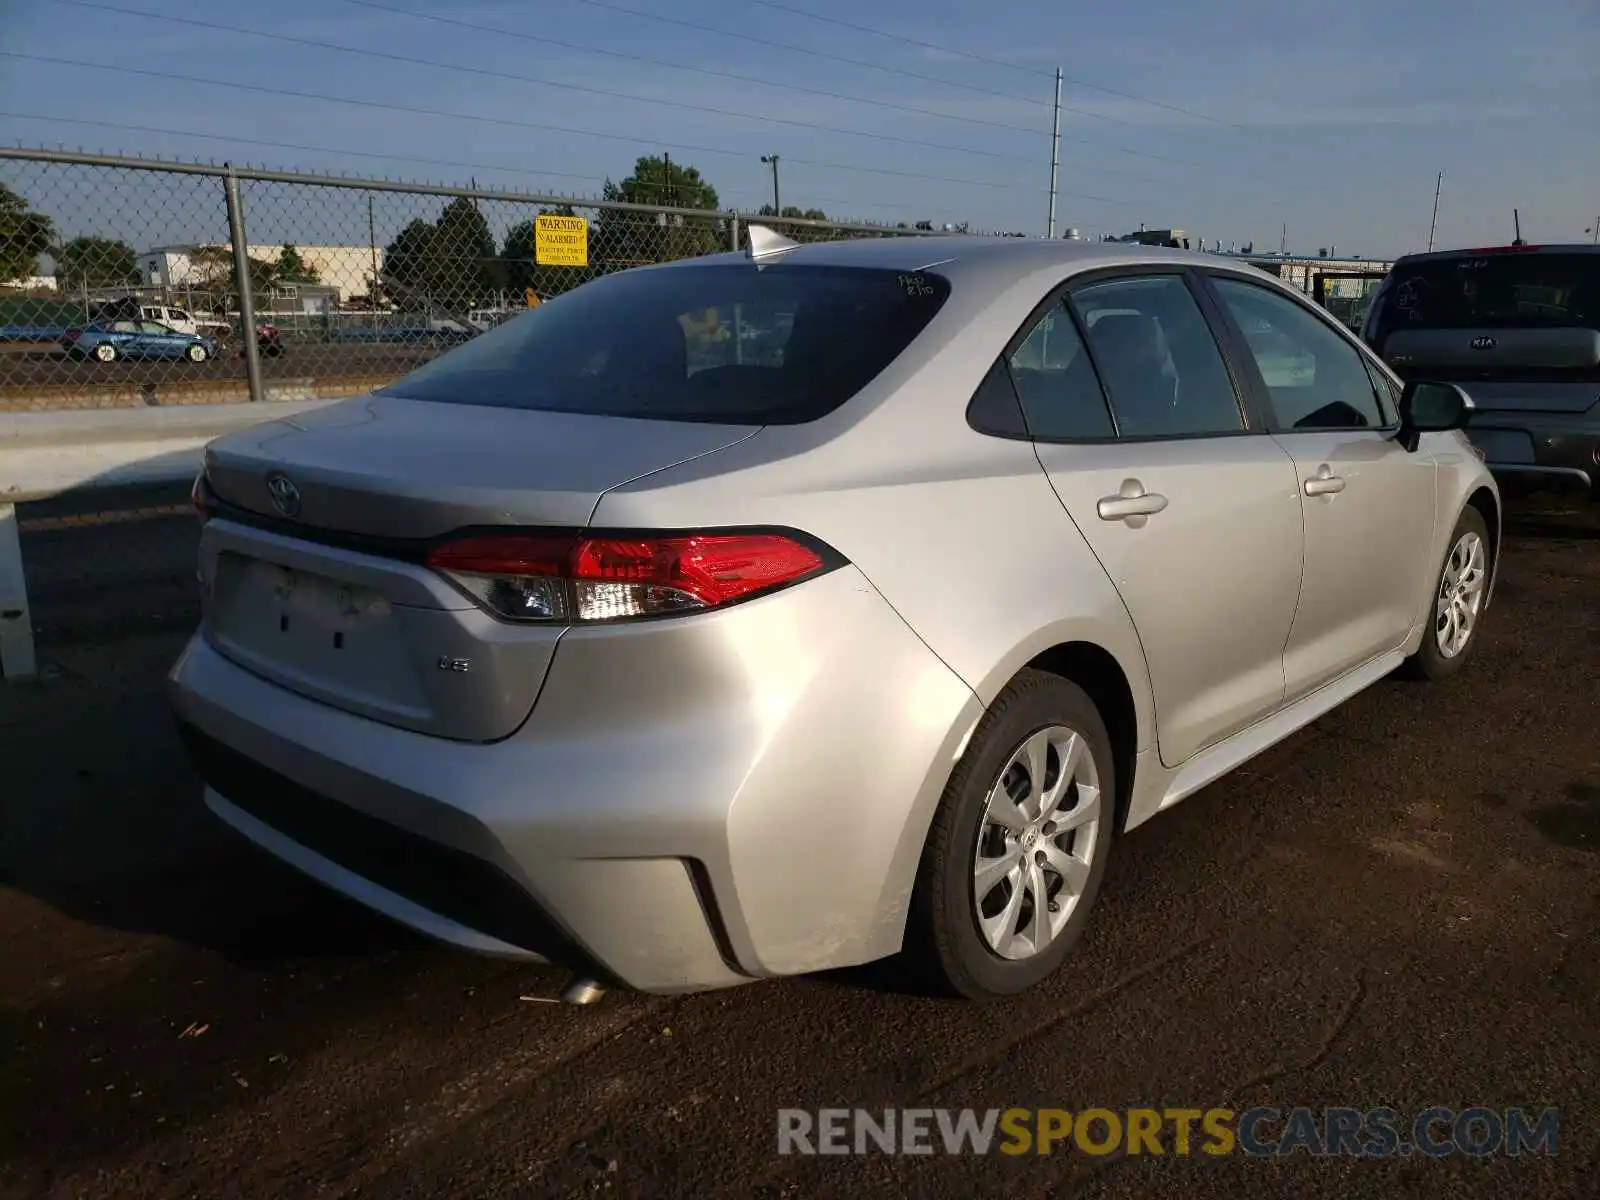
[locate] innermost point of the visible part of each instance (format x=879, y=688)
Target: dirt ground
x=1399, y=906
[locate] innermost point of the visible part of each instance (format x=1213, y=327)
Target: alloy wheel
x=1036, y=843
x=1461, y=591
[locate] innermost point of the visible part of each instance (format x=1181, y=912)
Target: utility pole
x=772, y=160
x=372, y=244
x=666, y=177
x=1055, y=156
x=1434, y=224
x=1516, y=224
x=1283, y=246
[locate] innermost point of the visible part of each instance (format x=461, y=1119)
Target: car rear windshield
x=728, y=343
x=1530, y=290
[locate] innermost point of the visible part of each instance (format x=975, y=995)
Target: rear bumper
x=1540, y=449
x=692, y=804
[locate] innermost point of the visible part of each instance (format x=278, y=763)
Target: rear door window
x=730, y=343
x=1061, y=397
x=1157, y=358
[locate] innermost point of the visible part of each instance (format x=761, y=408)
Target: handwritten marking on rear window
x=917, y=285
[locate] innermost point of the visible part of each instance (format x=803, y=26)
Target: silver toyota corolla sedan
x=771, y=612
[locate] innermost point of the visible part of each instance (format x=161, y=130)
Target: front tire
x=1459, y=595
x=105, y=352
x=1018, y=847
x=195, y=353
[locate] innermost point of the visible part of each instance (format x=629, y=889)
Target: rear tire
x=195, y=354
x=1014, y=824
x=1460, y=591
x=105, y=352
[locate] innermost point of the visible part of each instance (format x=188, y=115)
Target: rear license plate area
x=309, y=629
x=1503, y=445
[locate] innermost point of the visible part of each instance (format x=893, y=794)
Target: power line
x=541, y=39
x=854, y=62
x=191, y=22
x=997, y=62
x=515, y=124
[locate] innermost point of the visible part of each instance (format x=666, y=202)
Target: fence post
x=733, y=226
x=17, y=659
x=241, y=274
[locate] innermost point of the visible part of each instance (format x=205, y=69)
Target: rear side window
x=1157, y=358
x=1056, y=382
x=1528, y=290
x=733, y=344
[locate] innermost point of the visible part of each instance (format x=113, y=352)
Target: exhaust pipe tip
x=582, y=991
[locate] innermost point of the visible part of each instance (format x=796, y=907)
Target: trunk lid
x=327, y=595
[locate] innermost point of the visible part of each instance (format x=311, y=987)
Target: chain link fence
x=126, y=281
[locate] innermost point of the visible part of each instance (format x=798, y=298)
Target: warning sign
x=561, y=242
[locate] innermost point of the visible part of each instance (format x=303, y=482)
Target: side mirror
x=1431, y=408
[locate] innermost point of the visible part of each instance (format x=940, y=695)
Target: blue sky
x=1333, y=119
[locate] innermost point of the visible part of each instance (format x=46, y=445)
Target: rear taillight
x=198, y=498
x=523, y=577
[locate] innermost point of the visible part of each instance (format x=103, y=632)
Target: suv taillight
x=553, y=579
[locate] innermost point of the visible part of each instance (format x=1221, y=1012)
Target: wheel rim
x=1036, y=843
x=1460, y=599
x=197, y=353
x=104, y=352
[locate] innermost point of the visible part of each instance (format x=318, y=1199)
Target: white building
x=346, y=269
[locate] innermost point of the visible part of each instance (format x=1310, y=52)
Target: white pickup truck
x=185, y=322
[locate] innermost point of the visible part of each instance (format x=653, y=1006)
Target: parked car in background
x=578, y=644
x=107, y=341
x=204, y=325
x=1518, y=327
x=269, y=339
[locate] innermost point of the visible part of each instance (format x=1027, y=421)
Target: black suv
x=1518, y=327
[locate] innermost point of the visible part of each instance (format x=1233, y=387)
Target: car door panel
x=1196, y=521
x=1210, y=581
x=1367, y=503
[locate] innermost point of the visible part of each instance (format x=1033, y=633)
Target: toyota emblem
x=285, y=496
x=1484, y=342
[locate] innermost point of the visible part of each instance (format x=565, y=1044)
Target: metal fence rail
x=184, y=283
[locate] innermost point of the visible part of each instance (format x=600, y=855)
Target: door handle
x=1324, y=482
x=1131, y=504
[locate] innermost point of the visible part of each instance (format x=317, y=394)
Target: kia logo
x=1484, y=342
x=285, y=496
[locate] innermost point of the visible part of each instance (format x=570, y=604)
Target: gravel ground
x=1399, y=906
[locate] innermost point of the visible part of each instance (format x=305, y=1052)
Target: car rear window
x=1528, y=290
x=734, y=344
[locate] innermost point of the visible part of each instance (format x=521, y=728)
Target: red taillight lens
x=535, y=578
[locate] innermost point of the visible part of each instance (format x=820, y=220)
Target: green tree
x=791, y=210
x=466, y=264
x=24, y=236
x=95, y=262
x=292, y=268
x=630, y=239
x=450, y=263
x=211, y=270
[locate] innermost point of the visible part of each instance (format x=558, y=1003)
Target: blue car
x=107, y=341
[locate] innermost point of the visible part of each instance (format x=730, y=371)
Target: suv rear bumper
x=692, y=804
x=1540, y=449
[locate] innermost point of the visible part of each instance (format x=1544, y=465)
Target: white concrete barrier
x=43, y=455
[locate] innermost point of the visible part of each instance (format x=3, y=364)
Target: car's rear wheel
x=1459, y=594
x=195, y=353
x=105, y=352
x=1018, y=846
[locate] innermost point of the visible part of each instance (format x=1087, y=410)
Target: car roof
x=1491, y=251
x=959, y=253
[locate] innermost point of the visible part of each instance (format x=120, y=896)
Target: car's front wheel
x=1018, y=846
x=195, y=352
x=1459, y=594
x=105, y=352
